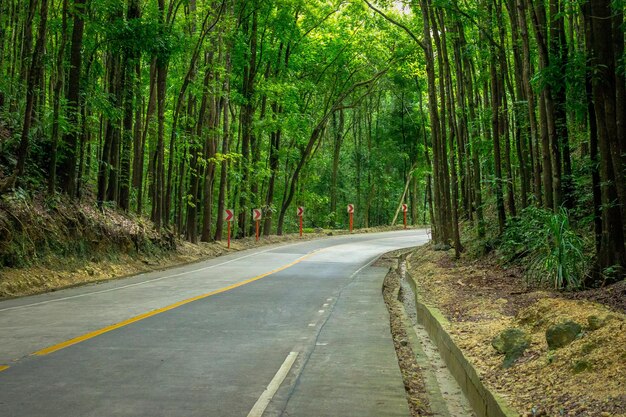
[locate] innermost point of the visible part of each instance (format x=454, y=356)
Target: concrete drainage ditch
x=446, y=382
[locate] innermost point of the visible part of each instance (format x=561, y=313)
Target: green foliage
x=553, y=252
x=561, y=256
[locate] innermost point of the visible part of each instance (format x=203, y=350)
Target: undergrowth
x=543, y=243
x=38, y=228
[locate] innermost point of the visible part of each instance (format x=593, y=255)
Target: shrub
x=523, y=234
x=553, y=253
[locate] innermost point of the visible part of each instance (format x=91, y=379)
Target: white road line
x=186, y=273
x=265, y=398
x=135, y=284
x=261, y=404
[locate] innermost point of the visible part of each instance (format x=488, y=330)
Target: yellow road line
x=140, y=317
x=3, y=368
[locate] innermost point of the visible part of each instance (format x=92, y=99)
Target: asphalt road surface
x=295, y=330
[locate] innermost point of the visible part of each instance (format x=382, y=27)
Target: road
x=295, y=330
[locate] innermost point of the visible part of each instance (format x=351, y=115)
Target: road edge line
x=261, y=404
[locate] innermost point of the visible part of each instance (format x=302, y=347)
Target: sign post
x=351, y=213
x=405, y=208
x=300, y=213
x=256, y=215
x=228, y=217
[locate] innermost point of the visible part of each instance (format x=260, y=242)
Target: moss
x=588, y=348
x=580, y=366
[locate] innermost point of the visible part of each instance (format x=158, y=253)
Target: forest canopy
x=499, y=122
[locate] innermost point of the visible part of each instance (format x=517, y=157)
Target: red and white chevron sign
x=229, y=215
x=405, y=208
x=350, y=208
x=300, y=211
x=256, y=214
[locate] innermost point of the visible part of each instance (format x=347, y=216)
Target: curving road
x=294, y=330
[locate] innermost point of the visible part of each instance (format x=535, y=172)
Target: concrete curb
x=484, y=402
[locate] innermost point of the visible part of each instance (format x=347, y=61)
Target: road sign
x=405, y=208
x=300, y=213
x=256, y=216
x=351, y=213
x=228, y=217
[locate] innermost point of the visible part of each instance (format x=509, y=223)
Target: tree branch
x=400, y=25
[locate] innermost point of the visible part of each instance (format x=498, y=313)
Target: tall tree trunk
x=34, y=76
x=148, y=127
x=612, y=253
x=496, y=119
x=529, y=94
x=159, y=215
x=106, y=165
x=454, y=135
x=138, y=143
x=128, y=133
x=439, y=234
x=194, y=170
x=338, y=133
x=593, y=135
x=56, y=101
x=210, y=148
x=273, y=162
x=275, y=144
x=552, y=154
x=221, y=200
x=67, y=167
x=246, y=119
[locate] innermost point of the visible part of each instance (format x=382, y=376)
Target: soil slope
x=585, y=378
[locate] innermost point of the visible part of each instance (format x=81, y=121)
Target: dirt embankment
x=49, y=243
x=585, y=377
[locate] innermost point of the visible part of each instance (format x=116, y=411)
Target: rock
x=595, y=323
x=512, y=343
x=610, y=317
x=404, y=342
x=588, y=348
x=581, y=366
x=562, y=334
